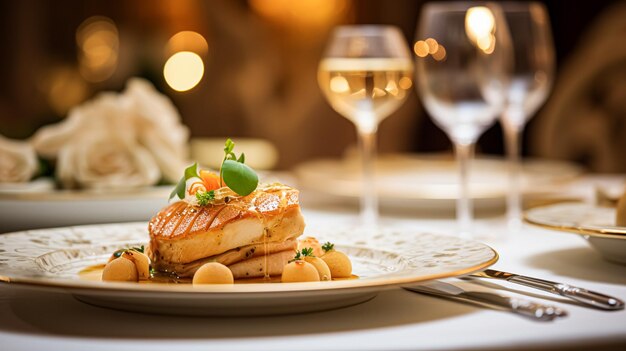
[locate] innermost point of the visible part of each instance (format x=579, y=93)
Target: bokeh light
x=421, y=48
x=339, y=84
x=64, y=88
x=430, y=46
x=183, y=70
x=188, y=41
x=480, y=24
x=97, y=39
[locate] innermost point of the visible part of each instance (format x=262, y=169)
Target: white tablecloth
x=394, y=320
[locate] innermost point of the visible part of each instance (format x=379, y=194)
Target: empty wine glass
x=463, y=66
x=531, y=80
x=365, y=74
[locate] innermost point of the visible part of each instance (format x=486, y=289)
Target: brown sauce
x=94, y=273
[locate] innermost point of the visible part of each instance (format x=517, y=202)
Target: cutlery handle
x=519, y=306
x=581, y=295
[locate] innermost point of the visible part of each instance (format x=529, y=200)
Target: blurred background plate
x=32, y=209
x=429, y=182
x=594, y=223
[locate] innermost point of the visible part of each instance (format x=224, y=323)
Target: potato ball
x=213, y=273
x=313, y=243
x=141, y=261
x=120, y=270
x=338, y=263
x=300, y=271
x=621, y=212
x=320, y=266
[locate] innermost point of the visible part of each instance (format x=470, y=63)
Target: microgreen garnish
x=305, y=252
x=179, y=190
x=205, y=197
x=233, y=172
x=237, y=175
x=328, y=246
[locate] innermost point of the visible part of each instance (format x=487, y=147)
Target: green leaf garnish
x=179, y=190
x=328, y=246
x=233, y=172
x=305, y=252
x=229, y=146
x=239, y=177
x=204, y=197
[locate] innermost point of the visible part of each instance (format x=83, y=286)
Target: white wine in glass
x=463, y=66
x=365, y=75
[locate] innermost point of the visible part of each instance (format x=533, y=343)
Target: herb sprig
x=305, y=252
x=205, y=197
x=328, y=246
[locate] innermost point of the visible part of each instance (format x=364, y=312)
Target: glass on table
x=463, y=66
x=533, y=71
x=365, y=74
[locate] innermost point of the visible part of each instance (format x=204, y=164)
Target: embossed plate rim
x=404, y=277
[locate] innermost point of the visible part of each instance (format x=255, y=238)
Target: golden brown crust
x=182, y=233
x=181, y=219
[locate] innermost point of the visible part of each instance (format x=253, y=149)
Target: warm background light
x=480, y=25
x=98, y=43
x=301, y=13
x=423, y=48
x=183, y=70
x=188, y=41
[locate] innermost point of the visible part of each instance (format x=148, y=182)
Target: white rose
x=18, y=161
x=106, y=161
x=140, y=124
x=159, y=127
x=96, y=147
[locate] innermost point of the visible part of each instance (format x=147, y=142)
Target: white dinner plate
x=29, y=208
x=54, y=258
x=430, y=182
x=595, y=224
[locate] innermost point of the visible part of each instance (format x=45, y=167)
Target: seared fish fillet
x=184, y=236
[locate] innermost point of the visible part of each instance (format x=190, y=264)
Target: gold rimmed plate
x=595, y=224
x=55, y=258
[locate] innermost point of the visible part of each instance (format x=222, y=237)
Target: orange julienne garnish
x=210, y=180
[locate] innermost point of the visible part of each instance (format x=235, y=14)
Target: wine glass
x=463, y=66
x=531, y=81
x=365, y=74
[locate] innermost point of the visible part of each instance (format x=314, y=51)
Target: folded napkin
x=18, y=161
x=115, y=140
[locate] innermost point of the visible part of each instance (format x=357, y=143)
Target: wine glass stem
x=464, y=153
x=512, y=135
x=369, y=196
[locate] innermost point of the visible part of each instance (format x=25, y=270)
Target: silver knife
x=520, y=306
x=583, y=296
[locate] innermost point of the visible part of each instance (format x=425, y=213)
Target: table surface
x=394, y=320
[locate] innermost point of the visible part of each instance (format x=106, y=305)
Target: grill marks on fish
x=181, y=218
